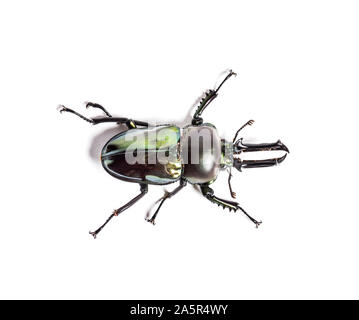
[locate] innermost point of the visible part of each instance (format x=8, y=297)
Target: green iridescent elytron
x=148, y=143
x=164, y=154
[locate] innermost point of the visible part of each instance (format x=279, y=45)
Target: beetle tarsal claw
x=258, y=223
x=87, y=104
x=151, y=221
x=61, y=108
x=94, y=234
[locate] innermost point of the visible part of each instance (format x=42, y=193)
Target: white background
x=297, y=65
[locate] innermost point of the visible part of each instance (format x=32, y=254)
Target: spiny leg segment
x=231, y=205
x=209, y=97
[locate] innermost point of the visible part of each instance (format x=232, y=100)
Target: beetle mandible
x=194, y=154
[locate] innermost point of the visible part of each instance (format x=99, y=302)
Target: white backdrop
x=297, y=65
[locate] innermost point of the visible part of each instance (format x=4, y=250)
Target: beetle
x=193, y=154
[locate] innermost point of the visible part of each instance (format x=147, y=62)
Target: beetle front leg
x=144, y=189
x=167, y=195
x=209, y=97
x=231, y=205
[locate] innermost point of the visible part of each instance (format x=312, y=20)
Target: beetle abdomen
x=144, y=155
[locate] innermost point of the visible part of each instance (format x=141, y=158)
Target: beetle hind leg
x=144, y=189
x=98, y=106
x=131, y=124
x=62, y=109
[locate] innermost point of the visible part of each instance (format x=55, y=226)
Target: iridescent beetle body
x=164, y=154
x=174, y=167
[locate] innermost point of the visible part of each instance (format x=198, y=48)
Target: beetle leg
x=233, y=194
x=96, y=105
x=65, y=109
x=231, y=205
x=130, y=123
x=208, y=98
x=144, y=189
x=167, y=195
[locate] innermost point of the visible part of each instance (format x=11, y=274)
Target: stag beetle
x=163, y=154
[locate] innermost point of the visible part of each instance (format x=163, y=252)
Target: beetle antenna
x=233, y=194
x=248, y=123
